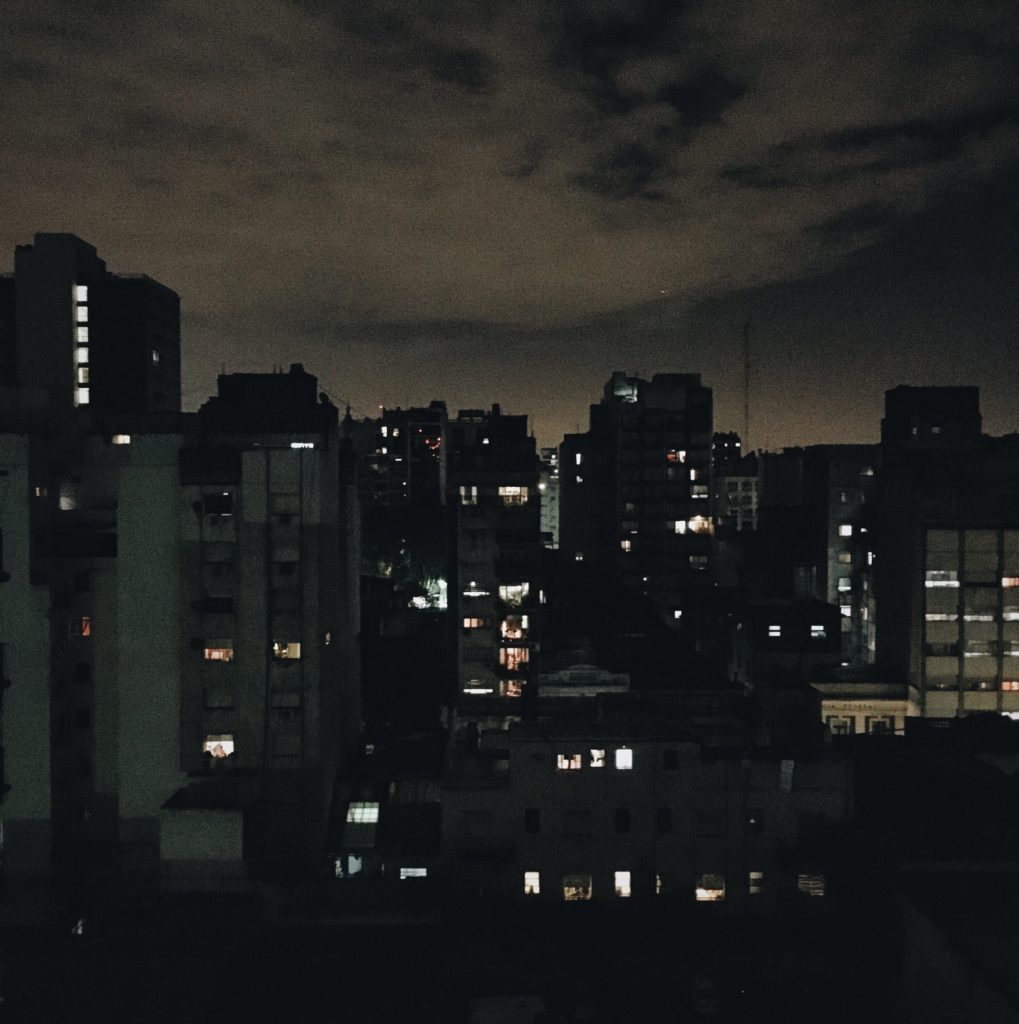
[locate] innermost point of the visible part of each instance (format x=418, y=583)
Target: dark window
x=83, y=718
x=663, y=820
x=218, y=605
x=218, y=504
x=82, y=582
x=622, y=819
x=755, y=821
x=83, y=672
x=670, y=759
x=84, y=766
x=532, y=820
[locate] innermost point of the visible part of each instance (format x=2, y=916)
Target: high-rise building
x=75, y=335
x=548, y=489
x=495, y=585
x=178, y=592
x=815, y=536
x=947, y=553
x=636, y=489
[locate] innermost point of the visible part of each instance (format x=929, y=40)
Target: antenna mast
x=746, y=386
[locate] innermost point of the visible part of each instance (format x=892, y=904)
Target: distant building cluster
x=269, y=639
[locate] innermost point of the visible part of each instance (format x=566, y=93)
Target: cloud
x=528, y=165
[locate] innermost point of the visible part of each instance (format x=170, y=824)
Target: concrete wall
x=25, y=632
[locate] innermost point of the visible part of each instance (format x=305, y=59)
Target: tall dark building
x=815, y=524
x=947, y=557
x=495, y=587
x=636, y=489
x=74, y=335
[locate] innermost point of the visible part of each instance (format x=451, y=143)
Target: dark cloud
x=471, y=70
x=928, y=139
x=32, y=71
x=756, y=176
x=153, y=129
x=629, y=170
x=865, y=218
x=703, y=97
x=345, y=177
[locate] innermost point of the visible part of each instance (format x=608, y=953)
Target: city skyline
x=362, y=193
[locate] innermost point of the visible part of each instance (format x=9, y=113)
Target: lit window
x=774, y=631
x=699, y=491
x=513, y=495
x=626, y=544
x=81, y=335
x=818, y=632
x=473, y=590
x=845, y=557
x=579, y=556
x=302, y=444
x=120, y=439
x=468, y=495
x=698, y=562
x=845, y=583
x=514, y=658
x=219, y=746
x=81, y=355
x=755, y=883
x=699, y=524
x=622, y=883
x=677, y=613
x=1010, y=685
x=81, y=396
x=941, y=578
x=532, y=883
x=624, y=758
x=514, y=627
x=413, y=873
x=846, y=610
x=514, y=593
x=82, y=626
x=569, y=762
x=675, y=455
x=1010, y=581
x=845, y=529
x=286, y=651
x=710, y=889
x=810, y=885
x=658, y=885
x=679, y=526
x=155, y=357
x=577, y=887
x=81, y=293
x=941, y=617
x=597, y=758
x=81, y=314
x=362, y=812
x=477, y=686
x=580, y=479
x=219, y=650
x=579, y=458
x=385, y=431
x=473, y=623
x=82, y=374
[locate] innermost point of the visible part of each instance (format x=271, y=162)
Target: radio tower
x=746, y=387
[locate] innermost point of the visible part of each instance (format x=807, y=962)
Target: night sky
x=506, y=201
